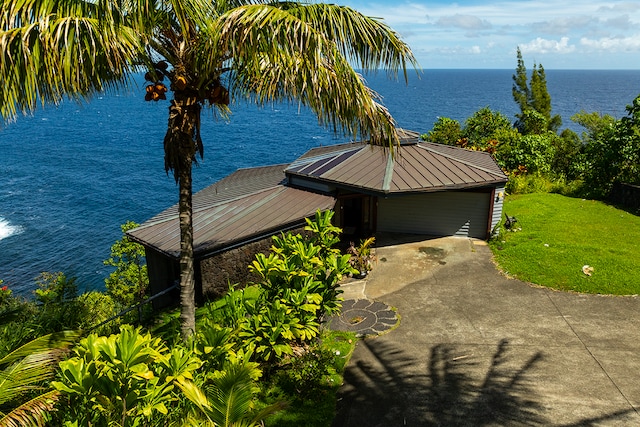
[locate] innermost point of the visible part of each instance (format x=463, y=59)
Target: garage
x=454, y=213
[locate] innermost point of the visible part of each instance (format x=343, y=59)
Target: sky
x=485, y=34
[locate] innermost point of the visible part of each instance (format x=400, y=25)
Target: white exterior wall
x=438, y=214
x=497, y=206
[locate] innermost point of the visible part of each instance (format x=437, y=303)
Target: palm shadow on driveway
x=450, y=387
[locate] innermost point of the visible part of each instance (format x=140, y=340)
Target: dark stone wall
x=232, y=267
x=626, y=195
x=163, y=272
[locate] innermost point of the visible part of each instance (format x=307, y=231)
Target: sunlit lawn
x=561, y=234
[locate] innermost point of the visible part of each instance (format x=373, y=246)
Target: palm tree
x=227, y=400
x=23, y=373
x=211, y=52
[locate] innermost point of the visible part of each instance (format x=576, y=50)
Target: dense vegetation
x=537, y=156
x=258, y=350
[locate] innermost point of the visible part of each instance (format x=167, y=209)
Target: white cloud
x=564, y=25
x=620, y=7
x=559, y=33
x=610, y=44
x=465, y=22
x=619, y=22
x=540, y=45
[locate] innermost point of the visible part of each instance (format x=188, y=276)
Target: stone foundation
x=232, y=267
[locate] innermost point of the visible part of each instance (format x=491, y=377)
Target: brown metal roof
x=255, y=202
x=416, y=167
x=247, y=204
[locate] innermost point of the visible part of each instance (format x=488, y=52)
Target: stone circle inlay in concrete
x=364, y=317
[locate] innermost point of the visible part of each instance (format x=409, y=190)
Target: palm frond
x=55, y=340
x=281, y=55
x=369, y=41
x=27, y=367
x=228, y=399
x=63, y=48
x=31, y=413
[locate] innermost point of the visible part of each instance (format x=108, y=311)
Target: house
x=424, y=188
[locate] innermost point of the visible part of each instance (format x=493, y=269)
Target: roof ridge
x=464, y=162
x=388, y=174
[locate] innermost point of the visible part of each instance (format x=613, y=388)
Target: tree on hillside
x=520, y=89
x=485, y=130
x=445, y=131
x=532, y=96
x=128, y=282
x=611, y=152
x=211, y=52
x=483, y=125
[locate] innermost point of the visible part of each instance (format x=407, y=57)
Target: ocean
x=71, y=175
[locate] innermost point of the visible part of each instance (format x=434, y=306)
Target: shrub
x=298, y=285
x=537, y=183
x=127, y=379
x=306, y=374
x=96, y=308
x=445, y=131
x=483, y=126
x=128, y=283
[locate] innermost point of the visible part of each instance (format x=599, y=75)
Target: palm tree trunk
x=187, y=279
x=181, y=143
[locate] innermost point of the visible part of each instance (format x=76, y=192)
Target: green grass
x=561, y=234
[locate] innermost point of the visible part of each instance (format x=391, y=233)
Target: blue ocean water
x=71, y=175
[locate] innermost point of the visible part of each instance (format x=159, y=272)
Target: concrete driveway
x=474, y=348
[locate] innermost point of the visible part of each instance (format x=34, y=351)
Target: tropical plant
x=324, y=233
x=215, y=343
x=306, y=374
x=481, y=128
x=229, y=399
x=567, y=151
x=361, y=257
x=25, y=398
x=55, y=288
x=127, y=379
x=128, y=283
x=529, y=153
x=211, y=52
x=5, y=294
x=296, y=264
x=57, y=306
x=298, y=285
x=445, y=131
x=612, y=149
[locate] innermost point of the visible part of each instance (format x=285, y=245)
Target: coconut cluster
x=217, y=94
x=156, y=90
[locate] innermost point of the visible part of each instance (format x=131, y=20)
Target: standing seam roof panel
x=365, y=170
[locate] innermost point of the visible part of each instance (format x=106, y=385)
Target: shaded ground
x=474, y=348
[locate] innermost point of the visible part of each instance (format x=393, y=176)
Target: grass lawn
x=561, y=234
